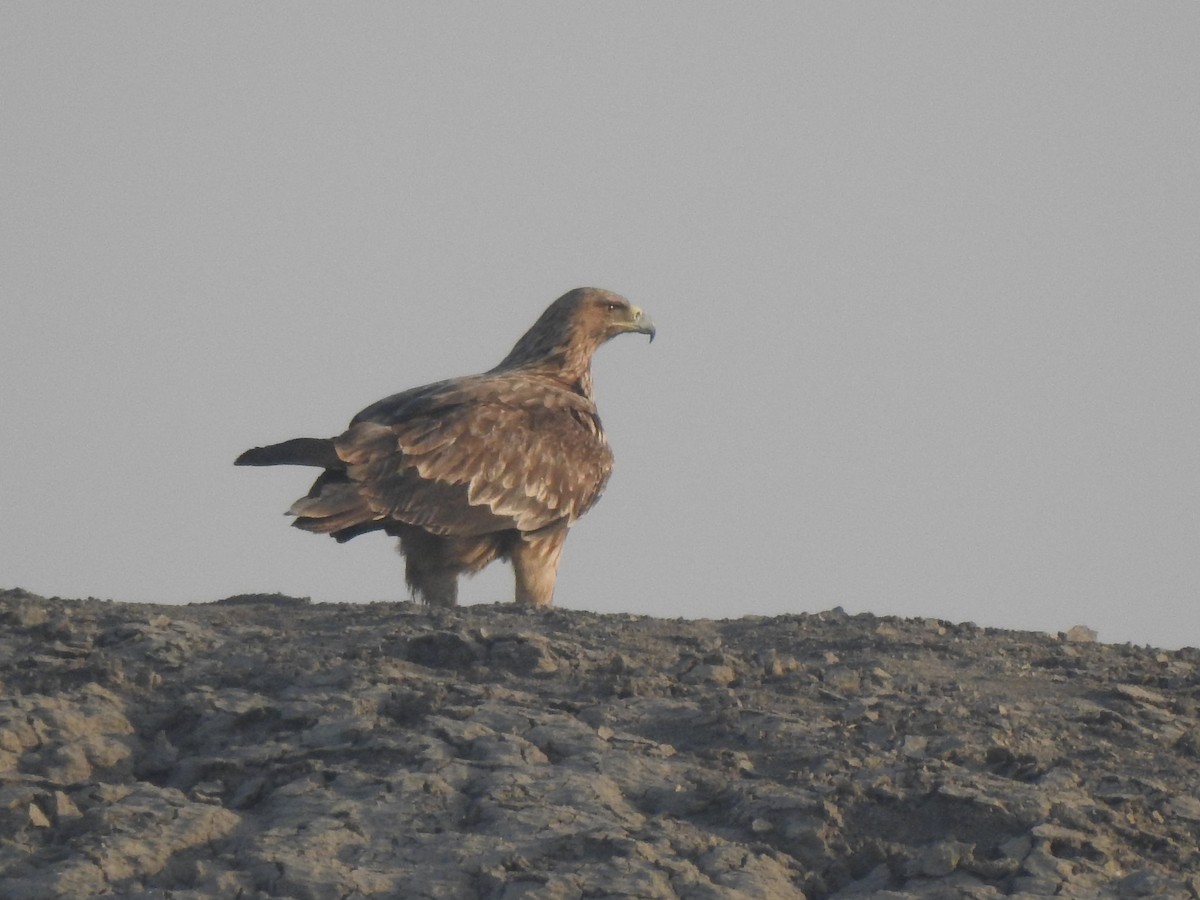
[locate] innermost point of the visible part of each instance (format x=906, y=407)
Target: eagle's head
x=573, y=326
x=605, y=314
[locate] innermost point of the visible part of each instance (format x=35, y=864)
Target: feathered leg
x=535, y=564
x=431, y=576
x=434, y=587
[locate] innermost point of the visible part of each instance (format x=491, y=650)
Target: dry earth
x=264, y=747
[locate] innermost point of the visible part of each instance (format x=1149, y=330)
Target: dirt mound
x=265, y=747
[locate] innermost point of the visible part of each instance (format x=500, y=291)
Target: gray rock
x=937, y=860
x=223, y=750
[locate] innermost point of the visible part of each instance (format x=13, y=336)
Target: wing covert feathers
x=486, y=465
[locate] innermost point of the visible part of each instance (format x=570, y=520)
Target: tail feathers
x=332, y=500
x=333, y=506
x=296, y=452
x=342, y=526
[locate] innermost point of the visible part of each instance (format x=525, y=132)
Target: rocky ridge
x=265, y=747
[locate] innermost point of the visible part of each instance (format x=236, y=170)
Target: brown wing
x=479, y=455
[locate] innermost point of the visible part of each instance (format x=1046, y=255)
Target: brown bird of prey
x=473, y=469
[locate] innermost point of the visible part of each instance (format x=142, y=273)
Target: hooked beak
x=641, y=323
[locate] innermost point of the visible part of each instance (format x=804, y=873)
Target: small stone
x=775, y=666
x=1185, y=807
x=1079, y=634
x=842, y=679
x=873, y=884
x=524, y=654
x=37, y=818
x=1042, y=864
x=1057, y=834
x=1017, y=847
x=1140, y=694
x=937, y=860
x=706, y=673
x=443, y=650
x=64, y=807
x=28, y=615
x=761, y=826
x=1142, y=883
x=859, y=711
x=208, y=792
x=914, y=746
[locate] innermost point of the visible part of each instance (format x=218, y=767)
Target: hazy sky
x=926, y=276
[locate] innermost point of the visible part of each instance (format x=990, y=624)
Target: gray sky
x=927, y=281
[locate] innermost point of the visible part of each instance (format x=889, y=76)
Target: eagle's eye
x=612, y=307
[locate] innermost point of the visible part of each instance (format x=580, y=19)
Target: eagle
x=474, y=469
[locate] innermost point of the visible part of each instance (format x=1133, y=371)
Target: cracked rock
x=384, y=750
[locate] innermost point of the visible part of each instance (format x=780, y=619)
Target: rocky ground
x=264, y=747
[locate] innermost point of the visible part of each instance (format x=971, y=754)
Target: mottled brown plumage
x=485, y=467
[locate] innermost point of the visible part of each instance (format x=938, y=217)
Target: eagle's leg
x=431, y=575
x=434, y=587
x=535, y=564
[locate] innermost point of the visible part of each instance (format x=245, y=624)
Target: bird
x=466, y=471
